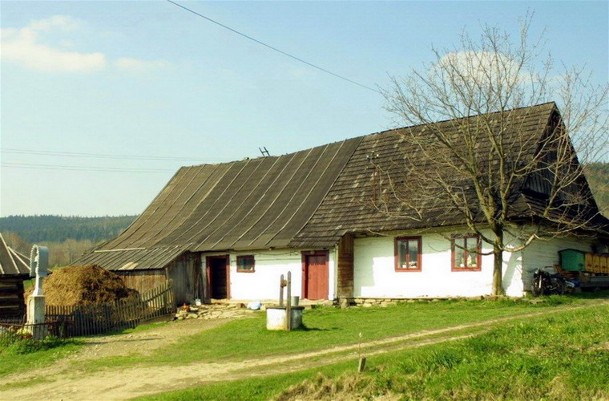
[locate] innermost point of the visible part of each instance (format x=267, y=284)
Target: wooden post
x=288, y=309
x=281, y=284
x=362, y=364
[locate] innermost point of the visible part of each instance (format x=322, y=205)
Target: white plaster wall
x=375, y=275
x=263, y=284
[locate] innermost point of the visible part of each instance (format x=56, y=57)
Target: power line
x=36, y=166
x=274, y=48
x=93, y=155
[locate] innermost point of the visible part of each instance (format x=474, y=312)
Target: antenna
x=265, y=153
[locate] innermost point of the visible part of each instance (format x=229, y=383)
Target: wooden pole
x=288, y=310
x=362, y=364
x=281, y=284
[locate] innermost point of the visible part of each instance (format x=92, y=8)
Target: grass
x=19, y=353
x=560, y=357
x=328, y=327
x=325, y=327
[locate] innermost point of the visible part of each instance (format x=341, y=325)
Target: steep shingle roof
x=251, y=204
x=12, y=263
x=348, y=207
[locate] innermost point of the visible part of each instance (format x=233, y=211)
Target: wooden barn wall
x=143, y=280
x=12, y=303
x=186, y=278
x=184, y=273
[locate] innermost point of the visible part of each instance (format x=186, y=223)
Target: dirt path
x=63, y=383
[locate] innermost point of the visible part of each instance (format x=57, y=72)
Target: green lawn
x=327, y=327
x=559, y=345
x=560, y=357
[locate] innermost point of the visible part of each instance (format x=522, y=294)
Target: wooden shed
x=14, y=269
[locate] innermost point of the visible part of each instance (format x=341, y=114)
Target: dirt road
x=63, y=382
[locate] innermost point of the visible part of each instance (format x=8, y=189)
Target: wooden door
x=315, y=275
x=218, y=281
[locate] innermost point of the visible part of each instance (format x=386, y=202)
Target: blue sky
x=101, y=102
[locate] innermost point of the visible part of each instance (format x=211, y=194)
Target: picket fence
x=85, y=320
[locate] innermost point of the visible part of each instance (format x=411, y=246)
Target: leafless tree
x=482, y=156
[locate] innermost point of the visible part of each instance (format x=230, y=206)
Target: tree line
x=66, y=237
x=597, y=175
x=52, y=228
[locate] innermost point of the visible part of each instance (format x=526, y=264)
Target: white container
x=276, y=317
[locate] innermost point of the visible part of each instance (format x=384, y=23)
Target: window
x=245, y=264
x=466, y=253
x=408, y=254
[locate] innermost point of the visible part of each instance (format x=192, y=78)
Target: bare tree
x=485, y=154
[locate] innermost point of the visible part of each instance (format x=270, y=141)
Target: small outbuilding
x=14, y=270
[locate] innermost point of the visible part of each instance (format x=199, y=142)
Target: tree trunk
x=498, y=264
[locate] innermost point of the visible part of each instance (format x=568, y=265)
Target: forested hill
x=34, y=229
x=597, y=175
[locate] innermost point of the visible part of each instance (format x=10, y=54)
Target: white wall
x=263, y=284
x=375, y=275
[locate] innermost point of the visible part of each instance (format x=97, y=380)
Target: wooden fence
x=84, y=320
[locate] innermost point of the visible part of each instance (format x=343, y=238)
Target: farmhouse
x=14, y=269
x=229, y=230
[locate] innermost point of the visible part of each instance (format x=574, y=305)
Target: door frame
x=209, y=273
x=305, y=271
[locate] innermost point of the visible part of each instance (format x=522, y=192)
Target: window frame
x=396, y=254
x=453, y=252
x=246, y=257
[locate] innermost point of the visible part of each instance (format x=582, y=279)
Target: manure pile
x=83, y=285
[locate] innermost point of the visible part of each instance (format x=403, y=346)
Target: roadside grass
x=564, y=356
x=327, y=327
x=18, y=353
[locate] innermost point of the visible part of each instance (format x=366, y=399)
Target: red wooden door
x=316, y=276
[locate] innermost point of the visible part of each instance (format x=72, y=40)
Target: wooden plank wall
x=185, y=275
x=142, y=280
x=12, y=303
x=345, y=267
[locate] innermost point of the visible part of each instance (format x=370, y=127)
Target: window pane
x=245, y=263
x=408, y=253
x=466, y=251
x=472, y=256
x=413, y=252
x=460, y=252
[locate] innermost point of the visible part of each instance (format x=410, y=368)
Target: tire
x=537, y=286
x=561, y=287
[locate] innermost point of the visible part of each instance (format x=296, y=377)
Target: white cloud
x=484, y=68
x=137, y=65
x=23, y=46
x=63, y=22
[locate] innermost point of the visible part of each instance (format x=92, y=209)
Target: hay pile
x=83, y=285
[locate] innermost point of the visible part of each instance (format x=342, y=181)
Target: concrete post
x=39, y=263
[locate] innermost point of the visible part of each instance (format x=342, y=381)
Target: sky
x=102, y=101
